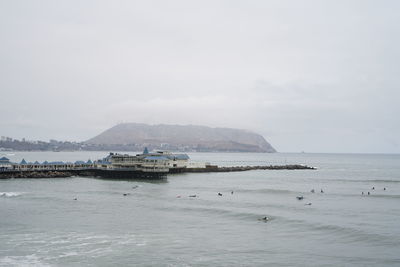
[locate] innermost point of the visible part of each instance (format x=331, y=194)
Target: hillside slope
x=190, y=137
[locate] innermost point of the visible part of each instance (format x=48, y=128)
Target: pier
x=122, y=166
x=90, y=172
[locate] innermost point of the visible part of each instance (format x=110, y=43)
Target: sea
x=183, y=221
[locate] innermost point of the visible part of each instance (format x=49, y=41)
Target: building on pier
x=5, y=164
x=156, y=162
x=159, y=161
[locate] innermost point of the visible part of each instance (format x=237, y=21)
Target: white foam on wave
x=50, y=248
x=22, y=261
x=94, y=237
x=69, y=254
x=11, y=194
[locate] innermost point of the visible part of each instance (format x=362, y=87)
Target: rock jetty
x=36, y=174
x=215, y=168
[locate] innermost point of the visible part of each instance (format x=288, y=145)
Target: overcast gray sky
x=314, y=76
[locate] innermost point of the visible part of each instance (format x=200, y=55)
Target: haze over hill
x=183, y=137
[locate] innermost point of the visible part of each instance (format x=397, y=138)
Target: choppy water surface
x=158, y=224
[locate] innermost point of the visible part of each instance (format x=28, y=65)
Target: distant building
x=5, y=164
x=160, y=161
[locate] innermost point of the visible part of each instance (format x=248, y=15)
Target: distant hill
x=183, y=138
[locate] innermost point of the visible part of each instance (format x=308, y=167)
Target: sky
x=313, y=76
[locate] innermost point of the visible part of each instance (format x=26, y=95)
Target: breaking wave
x=22, y=261
x=11, y=194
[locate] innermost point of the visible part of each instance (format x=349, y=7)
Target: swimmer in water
x=312, y=191
x=368, y=193
x=322, y=191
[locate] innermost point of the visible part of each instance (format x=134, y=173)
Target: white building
x=5, y=164
x=159, y=161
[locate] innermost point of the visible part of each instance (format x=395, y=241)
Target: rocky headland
x=183, y=138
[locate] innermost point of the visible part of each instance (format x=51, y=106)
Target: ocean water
x=158, y=224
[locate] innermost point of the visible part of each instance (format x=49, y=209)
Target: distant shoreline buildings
x=10, y=144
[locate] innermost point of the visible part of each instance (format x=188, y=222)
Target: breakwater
x=35, y=174
x=135, y=174
x=215, y=168
x=45, y=173
x=116, y=174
